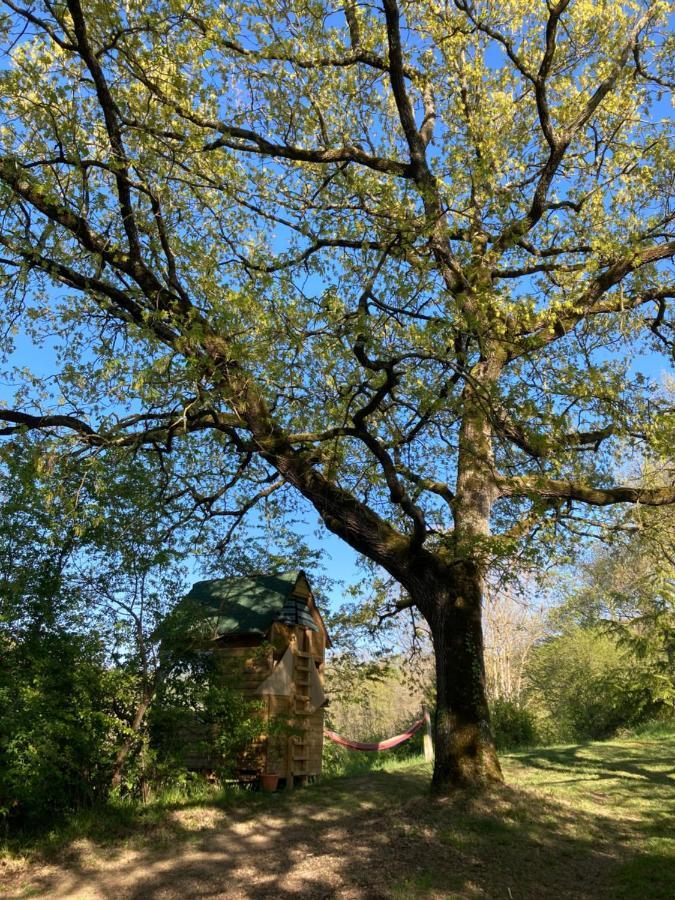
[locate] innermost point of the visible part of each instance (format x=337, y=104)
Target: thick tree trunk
x=465, y=751
x=464, y=748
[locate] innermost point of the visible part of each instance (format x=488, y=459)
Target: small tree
x=393, y=257
x=84, y=571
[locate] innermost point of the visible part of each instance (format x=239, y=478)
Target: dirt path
x=363, y=839
x=304, y=850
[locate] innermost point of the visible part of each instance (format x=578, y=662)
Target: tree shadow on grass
x=616, y=761
x=639, y=782
x=375, y=836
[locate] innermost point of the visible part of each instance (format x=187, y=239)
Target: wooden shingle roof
x=250, y=605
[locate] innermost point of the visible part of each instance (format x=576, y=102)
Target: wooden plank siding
x=243, y=662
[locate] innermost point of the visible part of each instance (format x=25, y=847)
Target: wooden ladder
x=301, y=710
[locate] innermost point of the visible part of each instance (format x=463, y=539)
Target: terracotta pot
x=269, y=783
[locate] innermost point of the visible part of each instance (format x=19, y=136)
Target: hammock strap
x=389, y=744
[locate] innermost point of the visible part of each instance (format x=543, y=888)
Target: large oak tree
x=394, y=256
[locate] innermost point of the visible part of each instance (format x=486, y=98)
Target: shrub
x=585, y=686
x=196, y=714
x=58, y=732
x=513, y=725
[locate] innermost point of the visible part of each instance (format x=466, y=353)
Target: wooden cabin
x=270, y=642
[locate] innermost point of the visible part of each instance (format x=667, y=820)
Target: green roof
x=245, y=605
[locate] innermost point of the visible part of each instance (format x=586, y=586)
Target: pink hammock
x=389, y=744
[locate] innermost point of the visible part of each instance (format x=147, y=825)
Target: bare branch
x=26, y=422
x=536, y=486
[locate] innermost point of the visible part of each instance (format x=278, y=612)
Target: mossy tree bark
x=464, y=747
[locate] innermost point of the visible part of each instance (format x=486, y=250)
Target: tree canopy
x=397, y=257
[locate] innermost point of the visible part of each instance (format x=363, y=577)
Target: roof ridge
x=253, y=577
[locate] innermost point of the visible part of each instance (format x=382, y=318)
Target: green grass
x=627, y=786
x=586, y=820
x=122, y=821
x=573, y=822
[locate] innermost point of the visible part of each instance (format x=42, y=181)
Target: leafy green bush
x=196, y=714
x=235, y=722
x=58, y=730
x=585, y=686
x=513, y=725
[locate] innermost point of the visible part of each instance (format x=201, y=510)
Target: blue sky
x=339, y=561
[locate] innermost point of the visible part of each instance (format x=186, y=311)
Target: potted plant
x=269, y=782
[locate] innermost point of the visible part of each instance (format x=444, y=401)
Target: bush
x=58, y=733
x=585, y=687
x=513, y=725
x=195, y=714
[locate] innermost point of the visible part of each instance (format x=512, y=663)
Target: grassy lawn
x=585, y=821
x=625, y=788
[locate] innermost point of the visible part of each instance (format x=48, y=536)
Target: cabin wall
x=294, y=748
x=242, y=663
